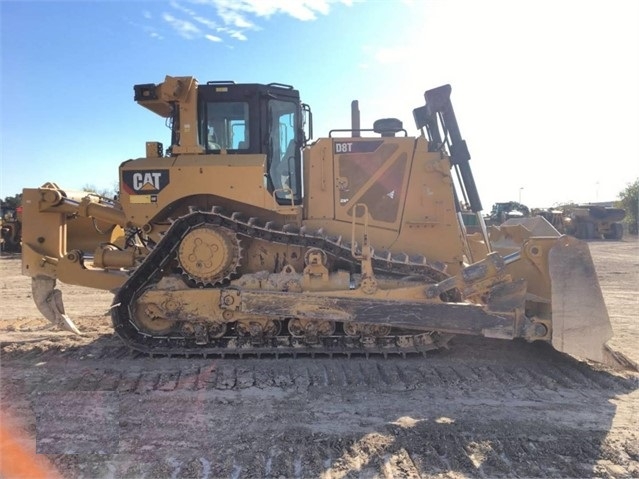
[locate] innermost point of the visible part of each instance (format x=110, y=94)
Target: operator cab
x=256, y=119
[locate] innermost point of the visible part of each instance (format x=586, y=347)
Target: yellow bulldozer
x=247, y=237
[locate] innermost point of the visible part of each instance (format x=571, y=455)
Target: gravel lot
x=87, y=408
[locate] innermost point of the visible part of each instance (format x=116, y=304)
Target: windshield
x=227, y=126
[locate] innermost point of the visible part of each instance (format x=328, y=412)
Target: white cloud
x=150, y=30
x=304, y=10
x=184, y=28
x=238, y=35
x=182, y=8
x=236, y=17
x=205, y=21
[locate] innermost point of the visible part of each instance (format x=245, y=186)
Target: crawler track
x=160, y=260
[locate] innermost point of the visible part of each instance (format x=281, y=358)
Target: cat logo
x=148, y=182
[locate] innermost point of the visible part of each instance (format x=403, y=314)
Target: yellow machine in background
x=245, y=237
x=587, y=221
x=10, y=229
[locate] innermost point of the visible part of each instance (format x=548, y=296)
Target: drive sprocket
x=208, y=255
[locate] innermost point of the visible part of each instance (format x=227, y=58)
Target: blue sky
x=546, y=91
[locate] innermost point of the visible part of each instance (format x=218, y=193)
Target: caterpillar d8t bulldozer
x=245, y=237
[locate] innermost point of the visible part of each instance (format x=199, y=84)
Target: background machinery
x=501, y=212
x=11, y=229
x=587, y=221
x=244, y=237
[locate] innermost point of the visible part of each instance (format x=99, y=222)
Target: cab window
x=226, y=126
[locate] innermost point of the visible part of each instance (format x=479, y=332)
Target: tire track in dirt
x=305, y=374
x=393, y=450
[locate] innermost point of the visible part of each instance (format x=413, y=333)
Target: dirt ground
x=87, y=408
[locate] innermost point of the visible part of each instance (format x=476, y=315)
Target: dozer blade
x=580, y=322
x=49, y=302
